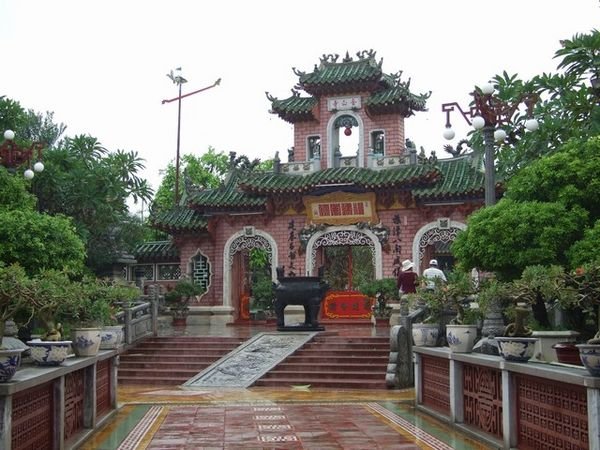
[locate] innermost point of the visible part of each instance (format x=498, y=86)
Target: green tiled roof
x=388, y=92
x=227, y=195
x=397, y=99
x=179, y=219
x=157, y=251
x=403, y=177
x=455, y=179
x=294, y=108
x=331, y=76
x=461, y=179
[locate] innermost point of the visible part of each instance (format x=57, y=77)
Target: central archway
x=341, y=236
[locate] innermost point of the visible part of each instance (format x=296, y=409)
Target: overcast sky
x=101, y=65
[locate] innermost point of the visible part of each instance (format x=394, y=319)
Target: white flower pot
x=111, y=337
x=461, y=338
x=86, y=341
x=425, y=334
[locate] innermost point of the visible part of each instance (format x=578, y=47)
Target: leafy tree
x=568, y=105
x=82, y=180
x=553, y=188
x=585, y=251
x=569, y=176
x=35, y=241
x=86, y=182
x=13, y=192
x=29, y=126
x=510, y=236
x=206, y=171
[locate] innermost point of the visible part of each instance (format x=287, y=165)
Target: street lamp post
x=489, y=114
x=178, y=79
x=12, y=155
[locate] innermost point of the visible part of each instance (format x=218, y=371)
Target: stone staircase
x=334, y=361
x=172, y=360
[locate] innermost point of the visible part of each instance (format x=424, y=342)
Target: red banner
x=245, y=306
x=347, y=305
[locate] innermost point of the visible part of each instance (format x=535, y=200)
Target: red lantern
x=348, y=131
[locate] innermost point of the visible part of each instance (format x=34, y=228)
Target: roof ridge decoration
x=386, y=93
x=331, y=58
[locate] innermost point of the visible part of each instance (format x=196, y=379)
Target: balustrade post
x=129, y=326
x=456, y=392
x=418, y=377
x=59, y=413
x=5, y=421
x=593, y=411
x=90, y=399
x=509, y=411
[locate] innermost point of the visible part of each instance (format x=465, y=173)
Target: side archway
x=442, y=230
x=246, y=239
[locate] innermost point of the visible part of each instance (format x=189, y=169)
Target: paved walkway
x=155, y=418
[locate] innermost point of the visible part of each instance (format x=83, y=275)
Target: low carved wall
x=57, y=407
x=511, y=405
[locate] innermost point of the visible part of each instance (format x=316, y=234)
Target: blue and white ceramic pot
x=425, y=334
x=590, y=357
x=461, y=338
x=516, y=349
x=86, y=341
x=49, y=353
x=9, y=363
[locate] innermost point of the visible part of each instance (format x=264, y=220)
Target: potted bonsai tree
x=586, y=281
x=516, y=344
x=119, y=293
x=90, y=312
x=53, y=297
x=427, y=332
x=178, y=300
x=457, y=294
x=544, y=289
x=382, y=292
x=15, y=293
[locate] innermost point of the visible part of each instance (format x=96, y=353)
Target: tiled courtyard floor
x=156, y=418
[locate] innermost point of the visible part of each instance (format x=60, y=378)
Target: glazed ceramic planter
x=86, y=341
x=567, y=353
x=111, y=337
x=461, y=338
x=425, y=334
x=544, y=348
x=590, y=357
x=49, y=353
x=516, y=349
x=9, y=363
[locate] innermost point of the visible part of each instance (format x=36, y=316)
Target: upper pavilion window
x=314, y=147
x=347, y=135
x=378, y=142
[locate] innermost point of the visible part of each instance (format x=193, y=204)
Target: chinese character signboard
x=343, y=103
x=341, y=208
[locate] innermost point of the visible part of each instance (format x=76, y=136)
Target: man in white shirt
x=431, y=273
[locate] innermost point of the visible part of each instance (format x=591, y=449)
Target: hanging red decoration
x=348, y=131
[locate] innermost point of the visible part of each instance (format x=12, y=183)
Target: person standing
x=431, y=273
x=407, y=279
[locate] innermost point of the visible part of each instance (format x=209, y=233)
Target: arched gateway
x=233, y=268
x=324, y=207
x=343, y=236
